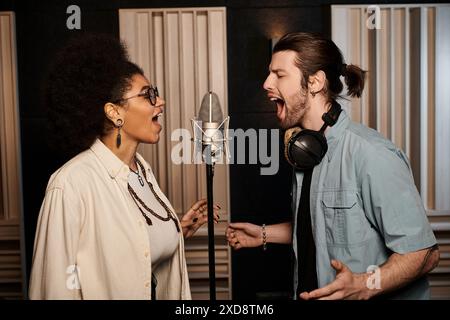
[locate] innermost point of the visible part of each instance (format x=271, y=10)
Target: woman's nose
x=160, y=102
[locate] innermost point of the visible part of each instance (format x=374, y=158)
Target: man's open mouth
x=281, y=107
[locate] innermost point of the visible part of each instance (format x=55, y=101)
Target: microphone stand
x=206, y=134
x=211, y=248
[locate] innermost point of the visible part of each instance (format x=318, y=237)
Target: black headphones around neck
x=304, y=149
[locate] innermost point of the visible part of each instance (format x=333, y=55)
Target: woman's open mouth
x=156, y=118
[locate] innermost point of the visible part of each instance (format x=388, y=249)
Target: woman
x=105, y=229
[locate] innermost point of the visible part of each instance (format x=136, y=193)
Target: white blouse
x=163, y=235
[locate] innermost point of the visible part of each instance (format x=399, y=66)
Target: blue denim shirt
x=364, y=205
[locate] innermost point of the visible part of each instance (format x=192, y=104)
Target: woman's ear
x=317, y=81
x=112, y=112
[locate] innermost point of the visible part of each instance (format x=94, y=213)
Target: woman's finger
x=191, y=213
x=197, y=205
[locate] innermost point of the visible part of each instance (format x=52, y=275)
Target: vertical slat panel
x=173, y=101
x=188, y=97
x=415, y=94
x=142, y=52
x=128, y=25
x=423, y=103
x=398, y=81
x=11, y=242
x=378, y=81
x=372, y=79
x=182, y=106
x=10, y=118
x=217, y=60
x=442, y=107
x=161, y=149
x=340, y=18
x=383, y=75
x=143, y=56
x=152, y=151
x=364, y=53
x=392, y=63
x=430, y=76
x=354, y=58
x=407, y=131
x=5, y=47
x=202, y=68
x=3, y=169
x=197, y=97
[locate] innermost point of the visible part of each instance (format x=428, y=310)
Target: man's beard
x=294, y=115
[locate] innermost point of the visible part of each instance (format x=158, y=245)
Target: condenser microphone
x=213, y=129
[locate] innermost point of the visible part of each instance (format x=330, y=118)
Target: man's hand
x=244, y=235
x=347, y=285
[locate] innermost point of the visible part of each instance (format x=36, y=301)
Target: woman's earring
x=119, y=125
x=313, y=93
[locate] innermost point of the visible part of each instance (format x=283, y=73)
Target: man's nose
x=268, y=83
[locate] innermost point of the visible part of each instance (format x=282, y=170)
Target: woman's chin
x=153, y=139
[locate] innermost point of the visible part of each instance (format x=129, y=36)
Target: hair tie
x=343, y=69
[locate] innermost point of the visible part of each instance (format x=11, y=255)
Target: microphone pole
x=211, y=247
x=210, y=160
x=210, y=133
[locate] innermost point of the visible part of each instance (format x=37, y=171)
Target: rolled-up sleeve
x=392, y=203
x=55, y=274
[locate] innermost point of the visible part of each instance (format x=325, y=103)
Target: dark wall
x=41, y=30
x=256, y=198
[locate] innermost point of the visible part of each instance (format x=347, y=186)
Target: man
x=359, y=228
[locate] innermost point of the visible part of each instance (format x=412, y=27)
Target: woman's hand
x=196, y=217
x=244, y=235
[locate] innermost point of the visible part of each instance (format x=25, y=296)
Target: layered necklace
x=141, y=204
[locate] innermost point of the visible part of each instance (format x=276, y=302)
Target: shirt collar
x=109, y=160
x=115, y=166
x=334, y=133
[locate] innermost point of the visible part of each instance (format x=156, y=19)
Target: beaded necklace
x=143, y=205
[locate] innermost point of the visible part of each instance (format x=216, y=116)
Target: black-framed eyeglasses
x=151, y=93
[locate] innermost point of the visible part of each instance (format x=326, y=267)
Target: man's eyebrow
x=277, y=70
x=144, y=88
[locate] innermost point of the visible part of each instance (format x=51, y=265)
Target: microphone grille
x=210, y=110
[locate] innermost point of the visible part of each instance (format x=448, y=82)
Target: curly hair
x=88, y=72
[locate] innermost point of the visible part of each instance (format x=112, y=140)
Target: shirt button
x=147, y=284
x=140, y=223
x=146, y=254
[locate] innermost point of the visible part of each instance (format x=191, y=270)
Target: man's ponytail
x=354, y=79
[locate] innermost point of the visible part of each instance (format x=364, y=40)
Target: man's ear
x=112, y=112
x=317, y=81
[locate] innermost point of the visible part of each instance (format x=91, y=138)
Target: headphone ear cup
x=306, y=149
x=288, y=135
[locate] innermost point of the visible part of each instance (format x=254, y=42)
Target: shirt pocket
x=344, y=223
